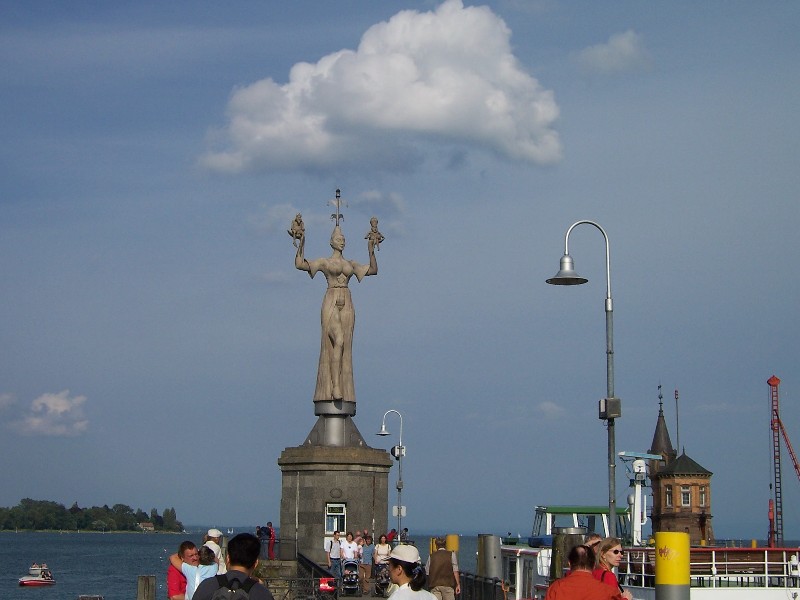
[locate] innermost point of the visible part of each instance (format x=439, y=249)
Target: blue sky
x=161, y=349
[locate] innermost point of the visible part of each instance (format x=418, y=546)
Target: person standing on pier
x=350, y=550
x=333, y=549
x=609, y=555
x=213, y=538
x=444, y=581
x=271, y=543
x=579, y=584
x=365, y=565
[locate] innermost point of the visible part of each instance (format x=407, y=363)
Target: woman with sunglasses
x=609, y=554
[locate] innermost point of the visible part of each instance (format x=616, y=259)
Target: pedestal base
x=338, y=430
x=316, y=479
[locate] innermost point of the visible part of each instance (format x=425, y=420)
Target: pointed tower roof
x=661, y=443
x=683, y=465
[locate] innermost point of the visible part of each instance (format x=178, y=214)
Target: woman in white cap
x=406, y=571
x=212, y=540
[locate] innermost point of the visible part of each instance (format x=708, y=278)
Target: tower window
x=335, y=517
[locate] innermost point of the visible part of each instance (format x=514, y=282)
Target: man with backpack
x=237, y=583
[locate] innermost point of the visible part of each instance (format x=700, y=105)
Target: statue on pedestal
x=335, y=371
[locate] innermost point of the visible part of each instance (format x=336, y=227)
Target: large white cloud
x=54, y=414
x=445, y=76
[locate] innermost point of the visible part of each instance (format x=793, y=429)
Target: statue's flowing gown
x=337, y=302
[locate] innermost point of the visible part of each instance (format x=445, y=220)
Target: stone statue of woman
x=335, y=372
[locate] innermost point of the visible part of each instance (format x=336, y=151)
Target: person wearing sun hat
x=212, y=540
x=407, y=572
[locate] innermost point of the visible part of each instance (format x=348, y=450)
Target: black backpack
x=233, y=590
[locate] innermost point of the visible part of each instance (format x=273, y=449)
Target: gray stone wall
x=313, y=476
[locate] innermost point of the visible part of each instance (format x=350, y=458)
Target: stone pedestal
x=315, y=476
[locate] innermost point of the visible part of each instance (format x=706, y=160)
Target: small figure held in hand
x=374, y=236
x=297, y=230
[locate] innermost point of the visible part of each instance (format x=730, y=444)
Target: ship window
x=668, y=496
x=528, y=578
x=510, y=572
x=686, y=495
x=702, y=495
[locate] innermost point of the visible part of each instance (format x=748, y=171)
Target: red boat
x=37, y=576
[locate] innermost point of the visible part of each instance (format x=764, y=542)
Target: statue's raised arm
x=335, y=372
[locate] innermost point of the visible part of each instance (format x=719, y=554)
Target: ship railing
x=720, y=567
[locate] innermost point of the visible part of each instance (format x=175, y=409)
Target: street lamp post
x=398, y=452
x=610, y=406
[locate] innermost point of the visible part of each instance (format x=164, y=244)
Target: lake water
x=109, y=564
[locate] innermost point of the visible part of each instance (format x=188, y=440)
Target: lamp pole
x=610, y=406
x=398, y=452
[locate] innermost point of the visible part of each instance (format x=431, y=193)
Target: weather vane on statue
x=335, y=371
x=337, y=202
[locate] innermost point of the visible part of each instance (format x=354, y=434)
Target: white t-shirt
x=334, y=548
x=349, y=550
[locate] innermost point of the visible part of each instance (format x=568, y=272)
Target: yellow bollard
x=673, y=575
x=450, y=543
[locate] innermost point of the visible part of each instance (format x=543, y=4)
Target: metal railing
x=720, y=567
x=475, y=587
x=307, y=580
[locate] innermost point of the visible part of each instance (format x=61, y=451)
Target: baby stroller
x=382, y=580
x=350, y=583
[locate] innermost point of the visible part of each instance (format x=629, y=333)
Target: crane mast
x=778, y=430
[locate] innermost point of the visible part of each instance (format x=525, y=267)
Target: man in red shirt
x=176, y=581
x=579, y=584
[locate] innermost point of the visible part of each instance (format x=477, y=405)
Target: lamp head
x=383, y=430
x=566, y=274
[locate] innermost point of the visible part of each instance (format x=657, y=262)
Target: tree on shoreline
x=46, y=514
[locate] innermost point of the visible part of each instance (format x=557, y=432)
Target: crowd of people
x=591, y=575
x=196, y=573
x=407, y=575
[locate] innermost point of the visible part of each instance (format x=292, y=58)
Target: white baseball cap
x=405, y=553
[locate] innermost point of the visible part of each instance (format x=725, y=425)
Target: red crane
x=776, y=514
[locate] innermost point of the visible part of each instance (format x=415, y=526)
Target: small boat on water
x=38, y=576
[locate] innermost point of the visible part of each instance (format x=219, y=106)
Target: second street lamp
x=398, y=452
x=610, y=406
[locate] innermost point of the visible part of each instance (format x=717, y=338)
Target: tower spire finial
x=660, y=401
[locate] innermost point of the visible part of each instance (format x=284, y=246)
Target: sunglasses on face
x=616, y=551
